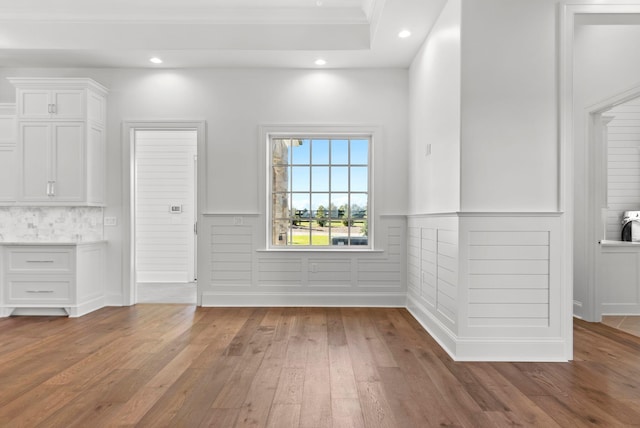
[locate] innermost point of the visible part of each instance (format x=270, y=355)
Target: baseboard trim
x=86, y=307
x=218, y=299
x=158, y=277
x=533, y=349
x=114, y=300
x=440, y=333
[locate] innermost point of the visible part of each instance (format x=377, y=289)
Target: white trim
x=511, y=350
x=160, y=277
x=507, y=349
x=114, y=300
x=615, y=100
x=86, y=307
x=229, y=214
x=280, y=299
x=59, y=82
x=128, y=194
x=489, y=214
x=8, y=109
x=436, y=329
x=266, y=132
x=34, y=311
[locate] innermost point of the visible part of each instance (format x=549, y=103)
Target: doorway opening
x=165, y=215
x=175, y=208
x=614, y=131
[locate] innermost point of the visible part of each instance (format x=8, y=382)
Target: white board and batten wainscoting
x=238, y=271
x=487, y=286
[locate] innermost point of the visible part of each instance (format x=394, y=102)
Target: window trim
x=316, y=132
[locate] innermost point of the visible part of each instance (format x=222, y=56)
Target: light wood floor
x=181, y=366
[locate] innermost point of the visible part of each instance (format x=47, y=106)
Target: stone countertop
x=49, y=243
x=610, y=243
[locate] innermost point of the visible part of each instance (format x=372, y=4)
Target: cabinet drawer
x=38, y=291
x=33, y=260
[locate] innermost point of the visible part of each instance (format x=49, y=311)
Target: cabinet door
x=68, y=104
x=67, y=162
x=35, y=142
x=34, y=103
x=8, y=173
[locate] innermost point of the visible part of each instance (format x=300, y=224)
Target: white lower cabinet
x=52, y=279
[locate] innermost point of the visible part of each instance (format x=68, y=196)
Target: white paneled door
x=165, y=205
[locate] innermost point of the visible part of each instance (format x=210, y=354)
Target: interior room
x=319, y=212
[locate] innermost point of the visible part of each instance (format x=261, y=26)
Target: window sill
x=320, y=250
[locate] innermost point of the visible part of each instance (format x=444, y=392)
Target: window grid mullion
x=313, y=193
x=349, y=191
x=311, y=217
x=330, y=194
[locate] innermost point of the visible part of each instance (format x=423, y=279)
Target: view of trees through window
x=320, y=191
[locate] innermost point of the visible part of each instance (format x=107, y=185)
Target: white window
x=319, y=191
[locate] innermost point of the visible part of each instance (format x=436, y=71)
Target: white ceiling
x=213, y=33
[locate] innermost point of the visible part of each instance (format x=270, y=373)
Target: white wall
x=434, y=100
x=234, y=103
x=605, y=64
x=509, y=147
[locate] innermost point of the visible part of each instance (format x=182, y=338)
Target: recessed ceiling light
x=156, y=60
x=320, y=61
x=404, y=34
x=319, y=3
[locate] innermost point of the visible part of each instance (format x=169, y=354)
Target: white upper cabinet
x=61, y=141
x=60, y=99
x=44, y=104
x=8, y=159
x=52, y=162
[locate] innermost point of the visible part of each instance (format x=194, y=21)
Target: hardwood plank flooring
x=181, y=366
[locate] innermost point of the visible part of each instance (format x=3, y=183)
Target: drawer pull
x=39, y=261
x=39, y=291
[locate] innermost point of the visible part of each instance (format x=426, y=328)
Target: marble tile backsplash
x=51, y=224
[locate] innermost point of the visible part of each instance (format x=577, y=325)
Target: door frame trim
x=128, y=192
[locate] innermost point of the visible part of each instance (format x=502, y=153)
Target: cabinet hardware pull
x=53, y=188
x=39, y=291
x=54, y=109
x=39, y=261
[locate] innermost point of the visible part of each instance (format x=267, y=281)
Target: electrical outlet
x=110, y=221
x=238, y=221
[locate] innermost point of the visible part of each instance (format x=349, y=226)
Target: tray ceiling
x=212, y=33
